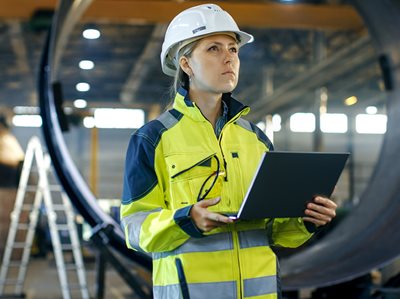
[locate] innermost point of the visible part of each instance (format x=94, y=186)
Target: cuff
x=183, y=219
x=312, y=228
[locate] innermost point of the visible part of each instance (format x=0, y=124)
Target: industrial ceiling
x=299, y=47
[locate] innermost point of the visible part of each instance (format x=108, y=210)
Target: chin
x=227, y=88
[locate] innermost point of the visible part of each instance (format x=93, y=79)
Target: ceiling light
x=371, y=110
x=26, y=110
x=86, y=64
x=334, y=123
x=82, y=86
x=261, y=125
x=91, y=34
x=118, y=118
x=350, y=101
x=302, y=122
x=371, y=124
x=32, y=121
x=276, y=122
x=80, y=103
x=89, y=122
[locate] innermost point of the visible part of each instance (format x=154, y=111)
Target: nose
x=229, y=56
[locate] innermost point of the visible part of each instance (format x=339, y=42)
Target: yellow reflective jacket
x=173, y=162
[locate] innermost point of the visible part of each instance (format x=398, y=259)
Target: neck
x=208, y=103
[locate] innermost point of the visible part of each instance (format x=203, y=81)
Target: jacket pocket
x=182, y=279
x=184, y=164
x=187, y=173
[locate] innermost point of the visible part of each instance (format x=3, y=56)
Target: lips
x=228, y=72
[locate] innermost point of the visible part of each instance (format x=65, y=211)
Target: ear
x=184, y=64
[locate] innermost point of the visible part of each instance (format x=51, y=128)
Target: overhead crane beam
x=253, y=14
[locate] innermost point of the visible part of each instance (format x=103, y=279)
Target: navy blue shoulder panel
x=262, y=137
x=178, y=115
x=140, y=176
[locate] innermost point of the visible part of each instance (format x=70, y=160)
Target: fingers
x=321, y=211
x=209, y=202
x=325, y=202
x=209, y=221
x=322, y=206
x=315, y=221
x=206, y=220
x=219, y=218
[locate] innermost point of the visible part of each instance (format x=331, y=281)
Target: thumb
x=209, y=202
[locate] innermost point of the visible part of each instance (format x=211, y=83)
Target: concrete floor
x=42, y=282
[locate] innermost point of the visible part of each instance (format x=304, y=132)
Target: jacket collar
x=183, y=104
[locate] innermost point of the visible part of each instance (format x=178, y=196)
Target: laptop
x=285, y=182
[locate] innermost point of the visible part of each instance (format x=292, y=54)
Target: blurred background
x=311, y=77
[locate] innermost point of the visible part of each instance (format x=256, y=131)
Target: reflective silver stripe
x=134, y=223
x=244, y=124
x=167, y=119
x=217, y=242
x=167, y=292
x=214, y=290
x=253, y=238
x=259, y=286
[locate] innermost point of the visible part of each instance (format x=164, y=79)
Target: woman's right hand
x=206, y=220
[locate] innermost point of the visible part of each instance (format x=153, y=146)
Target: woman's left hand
x=321, y=211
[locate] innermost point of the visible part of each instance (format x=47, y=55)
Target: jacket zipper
x=182, y=279
x=235, y=235
x=187, y=169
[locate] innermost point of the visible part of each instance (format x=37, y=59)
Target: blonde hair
x=181, y=79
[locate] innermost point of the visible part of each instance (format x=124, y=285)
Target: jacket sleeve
x=288, y=232
x=148, y=223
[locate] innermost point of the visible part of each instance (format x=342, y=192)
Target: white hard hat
x=196, y=22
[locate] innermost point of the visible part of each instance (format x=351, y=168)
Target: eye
x=234, y=50
x=213, y=48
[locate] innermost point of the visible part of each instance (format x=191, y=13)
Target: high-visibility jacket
x=176, y=160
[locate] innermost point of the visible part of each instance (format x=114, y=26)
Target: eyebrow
x=219, y=43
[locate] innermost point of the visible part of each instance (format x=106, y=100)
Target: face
x=213, y=65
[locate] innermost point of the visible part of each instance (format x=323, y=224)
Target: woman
x=194, y=163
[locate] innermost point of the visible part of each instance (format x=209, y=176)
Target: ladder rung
x=15, y=264
x=68, y=247
x=70, y=267
x=19, y=245
x=22, y=226
x=34, y=188
x=31, y=188
x=59, y=207
x=62, y=226
x=27, y=207
x=55, y=188
x=77, y=286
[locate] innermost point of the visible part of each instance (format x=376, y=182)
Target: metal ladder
x=58, y=207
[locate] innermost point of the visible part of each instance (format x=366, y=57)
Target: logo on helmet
x=199, y=29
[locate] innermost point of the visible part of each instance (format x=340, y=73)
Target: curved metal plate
x=368, y=238
x=70, y=178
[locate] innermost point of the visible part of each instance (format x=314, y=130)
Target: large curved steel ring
x=367, y=239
